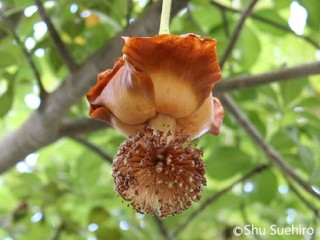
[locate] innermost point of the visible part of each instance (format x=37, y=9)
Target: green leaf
x=102, y=218
x=271, y=15
x=311, y=119
x=282, y=141
x=55, y=59
x=248, y=47
x=281, y=4
x=88, y=172
x=98, y=215
x=7, y=200
x=313, y=8
x=257, y=120
x=23, y=3
x=220, y=34
x=52, y=192
x=108, y=233
x=315, y=82
x=306, y=157
x=183, y=24
x=73, y=27
x=7, y=59
x=38, y=230
x=26, y=185
x=265, y=187
x=311, y=103
x=205, y=15
x=226, y=162
x=291, y=90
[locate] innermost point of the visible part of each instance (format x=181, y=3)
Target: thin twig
x=106, y=156
x=308, y=204
x=237, y=31
x=225, y=22
x=59, y=45
x=162, y=228
x=59, y=231
x=11, y=28
x=269, y=22
x=192, y=20
x=14, y=17
x=216, y=196
x=249, y=81
x=74, y=127
x=129, y=11
x=270, y=152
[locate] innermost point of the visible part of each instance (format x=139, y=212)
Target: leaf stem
x=165, y=17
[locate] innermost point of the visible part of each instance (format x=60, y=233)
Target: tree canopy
x=262, y=170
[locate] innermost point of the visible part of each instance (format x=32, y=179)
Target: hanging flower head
x=165, y=76
x=159, y=94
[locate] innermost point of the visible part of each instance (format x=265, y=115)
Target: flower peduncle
x=165, y=17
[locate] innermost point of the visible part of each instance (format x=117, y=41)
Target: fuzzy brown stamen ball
x=158, y=176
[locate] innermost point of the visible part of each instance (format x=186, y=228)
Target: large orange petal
x=103, y=80
x=183, y=69
x=125, y=92
x=207, y=118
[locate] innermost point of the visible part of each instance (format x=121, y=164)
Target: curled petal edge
x=125, y=92
x=206, y=119
x=102, y=114
x=218, y=113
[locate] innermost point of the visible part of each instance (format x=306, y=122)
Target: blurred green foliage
x=66, y=191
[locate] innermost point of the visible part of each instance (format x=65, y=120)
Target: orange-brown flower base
x=158, y=176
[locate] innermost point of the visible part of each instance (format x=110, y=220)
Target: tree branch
x=73, y=127
x=270, y=152
x=11, y=28
x=269, y=22
x=308, y=204
x=59, y=45
x=225, y=22
x=215, y=197
x=249, y=81
x=14, y=18
x=106, y=156
x=129, y=11
x=59, y=231
x=162, y=228
x=45, y=127
x=237, y=31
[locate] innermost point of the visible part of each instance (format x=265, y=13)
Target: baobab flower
x=159, y=94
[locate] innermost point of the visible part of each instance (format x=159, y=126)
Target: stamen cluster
x=159, y=176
